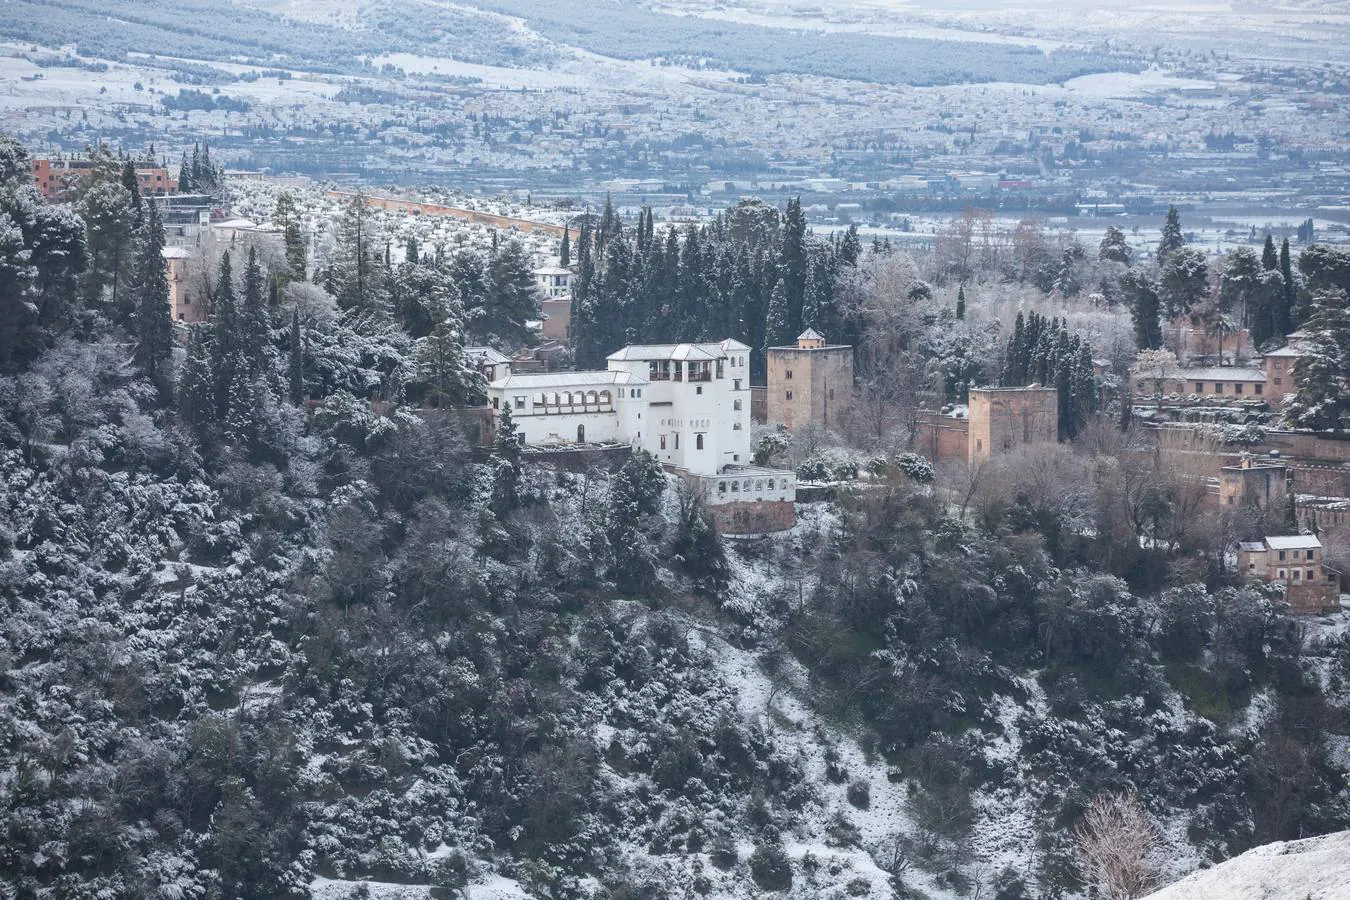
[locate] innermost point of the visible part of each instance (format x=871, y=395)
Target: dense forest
x=265, y=639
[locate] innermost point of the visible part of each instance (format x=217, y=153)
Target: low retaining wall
x=758, y=517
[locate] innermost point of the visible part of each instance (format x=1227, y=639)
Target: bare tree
x=1118, y=847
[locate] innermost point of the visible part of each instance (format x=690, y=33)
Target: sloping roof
x=551, y=270
x=702, y=351
x=548, y=380
x=174, y=253
x=1294, y=542
x=810, y=334
x=1215, y=373
x=1251, y=546
x=489, y=355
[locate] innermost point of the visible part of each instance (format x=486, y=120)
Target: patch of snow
x=1311, y=869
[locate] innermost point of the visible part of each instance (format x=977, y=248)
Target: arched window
x=581, y=434
x=590, y=398
x=770, y=484
x=606, y=398
x=698, y=442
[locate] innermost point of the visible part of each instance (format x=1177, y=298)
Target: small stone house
x=1296, y=562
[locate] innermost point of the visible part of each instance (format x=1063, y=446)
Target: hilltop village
x=411, y=544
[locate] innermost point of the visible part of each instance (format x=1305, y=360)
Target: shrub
x=860, y=794
x=769, y=864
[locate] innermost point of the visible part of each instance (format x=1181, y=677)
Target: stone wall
x=941, y=438
x=1003, y=419
x=758, y=517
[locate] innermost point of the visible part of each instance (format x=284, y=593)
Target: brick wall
x=941, y=438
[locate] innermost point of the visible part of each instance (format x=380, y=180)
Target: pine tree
x=1114, y=247
x=243, y=405
x=1322, y=376
x=1172, y=239
x=1270, y=260
x=210, y=177
x=198, y=181
x=507, y=446
x=109, y=214
x=961, y=303
x=512, y=301
x=440, y=358
x=565, y=253
x=154, y=315
x=296, y=366
x=777, y=331
x=286, y=217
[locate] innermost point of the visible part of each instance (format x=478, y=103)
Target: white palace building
x=686, y=404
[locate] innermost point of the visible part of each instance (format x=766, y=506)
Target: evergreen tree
x=254, y=324
x=1172, y=239
x=154, y=315
x=1240, y=284
x=225, y=325
x=1144, y=310
x=507, y=446
x=1284, y=312
x=109, y=214
x=198, y=180
x=512, y=301
x=196, y=382
x=1270, y=259
x=777, y=330
x=850, y=248
x=1322, y=376
x=133, y=186
x=295, y=369
x=243, y=405
x=565, y=253
x=1183, y=282
x=439, y=357
x=1114, y=247
x=185, y=184
x=792, y=265
x=286, y=217
x=961, y=303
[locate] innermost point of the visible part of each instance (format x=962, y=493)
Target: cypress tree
x=198, y=183
x=1270, y=260
x=133, y=186
x=565, y=254
x=961, y=303
x=153, y=315
x=296, y=368
x=196, y=384
x=254, y=332
x=224, y=328
x=1288, y=295
x=185, y=176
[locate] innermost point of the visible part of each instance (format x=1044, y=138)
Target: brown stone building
x=1296, y=562
x=1003, y=419
x=1261, y=484
x=810, y=383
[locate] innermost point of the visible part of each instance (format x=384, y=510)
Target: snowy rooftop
x=1294, y=542
x=175, y=253
x=486, y=355
x=703, y=351
x=565, y=379
x=552, y=270
x=1220, y=373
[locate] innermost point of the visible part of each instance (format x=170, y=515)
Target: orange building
x=54, y=177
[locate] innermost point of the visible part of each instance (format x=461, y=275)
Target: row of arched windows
x=573, y=398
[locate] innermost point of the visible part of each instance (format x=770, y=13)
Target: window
x=699, y=389
x=735, y=457
x=1280, y=574
x=979, y=445
x=1199, y=387
x=1237, y=388
x=736, y=384
x=737, y=427
x=620, y=393
x=721, y=372
x=1258, y=387
x=721, y=487
x=1282, y=556
x=1310, y=554
x=788, y=374
x=789, y=395
x=495, y=402
x=759, y=485
x=735, y=487
x=1298, y=574
x=770, y=484
x=1311, y=575
x=698, y=442
x=677, y=440
x=747, y=485
x=606, y=398
x=1278, y=380
x=663, y=442
x=736, y=405
x=581, y=434
x=520, y=403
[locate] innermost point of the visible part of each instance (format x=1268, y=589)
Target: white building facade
x=686, y=404
x=553, y=281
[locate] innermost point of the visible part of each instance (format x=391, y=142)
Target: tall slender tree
x=153, y=319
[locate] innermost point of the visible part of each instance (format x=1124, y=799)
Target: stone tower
x=1003, y=419
x=809, y=383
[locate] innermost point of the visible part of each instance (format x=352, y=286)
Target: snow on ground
x=332, y=889
x=1311, y=869
x=497, y=888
